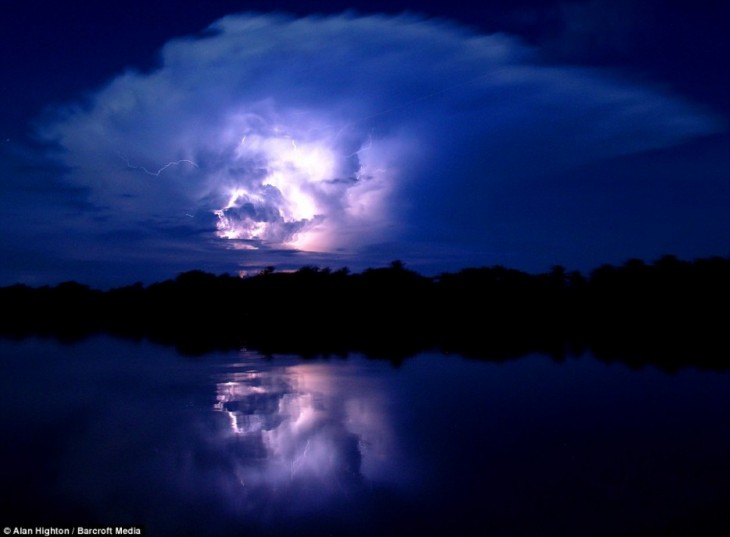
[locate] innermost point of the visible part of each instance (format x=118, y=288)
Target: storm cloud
x=337, y=134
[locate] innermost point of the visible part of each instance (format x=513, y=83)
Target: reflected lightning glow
x=313, y=429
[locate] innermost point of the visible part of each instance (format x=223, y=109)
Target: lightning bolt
x=297, y=462
x=364, y=148
x=158, y=172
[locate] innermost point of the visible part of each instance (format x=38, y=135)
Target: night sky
x=143, y=139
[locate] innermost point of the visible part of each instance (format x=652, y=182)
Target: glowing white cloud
x=327, y=133
x=289, y=176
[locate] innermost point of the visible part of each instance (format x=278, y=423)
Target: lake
x=109, y=431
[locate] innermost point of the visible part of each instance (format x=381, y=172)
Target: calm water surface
x=112, y=432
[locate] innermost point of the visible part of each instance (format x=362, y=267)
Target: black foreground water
x=110, y=432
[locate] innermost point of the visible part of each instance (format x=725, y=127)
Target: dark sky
x=142, y=139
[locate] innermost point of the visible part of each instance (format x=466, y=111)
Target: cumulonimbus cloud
x=330, y=133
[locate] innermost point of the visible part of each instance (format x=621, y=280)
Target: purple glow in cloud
x=333, y=133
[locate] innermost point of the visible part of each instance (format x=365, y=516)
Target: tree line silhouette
x=670, y=312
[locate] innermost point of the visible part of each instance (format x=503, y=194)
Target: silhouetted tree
x=663, y=311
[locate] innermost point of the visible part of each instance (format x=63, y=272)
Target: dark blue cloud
x=338, y=134
x=354, y=140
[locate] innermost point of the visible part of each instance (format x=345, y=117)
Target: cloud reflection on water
x=244, y=446
x=304, y=435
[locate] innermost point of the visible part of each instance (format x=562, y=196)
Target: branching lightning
x=158, y=172
x=298, y=460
